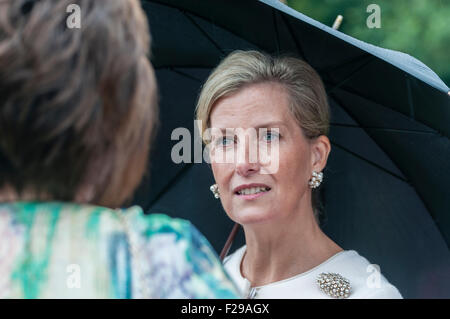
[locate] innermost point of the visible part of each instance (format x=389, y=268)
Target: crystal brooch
x=334, y=285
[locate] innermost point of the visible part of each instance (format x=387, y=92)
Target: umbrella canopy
x=386, y=186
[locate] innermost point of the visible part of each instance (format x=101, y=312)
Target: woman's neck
x=284, y=248
x=9, y=194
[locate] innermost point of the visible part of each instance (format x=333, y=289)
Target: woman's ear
x=321, y=148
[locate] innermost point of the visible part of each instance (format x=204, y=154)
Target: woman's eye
x=225, y=141
x=271, y=136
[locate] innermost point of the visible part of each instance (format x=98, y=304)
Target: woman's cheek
x=222, y=175
x=291, y=168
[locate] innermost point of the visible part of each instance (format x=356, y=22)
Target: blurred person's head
x=252, y=90
x=77, y=106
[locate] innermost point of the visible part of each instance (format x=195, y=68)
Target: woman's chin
x=248, y=217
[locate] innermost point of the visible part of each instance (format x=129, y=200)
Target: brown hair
x=77, y=106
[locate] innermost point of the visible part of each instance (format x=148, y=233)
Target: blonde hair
x=307, y=94
x=308, y=98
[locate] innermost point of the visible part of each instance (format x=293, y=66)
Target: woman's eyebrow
x=272, y=124
x=224, y=130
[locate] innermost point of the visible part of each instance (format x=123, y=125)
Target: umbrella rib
x=376, y=165
x=277, y=35
x=370, y=162
x=203, y=32
x=185, y=66
x=388, y=129
x=378, y=104
x=192, y=13
x=351, y=75
x=296, y=42
x=182, y=171
x=184, y=74
x=410, y=99
x=333, y=68
x=401, y=178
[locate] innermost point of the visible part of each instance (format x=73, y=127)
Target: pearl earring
x=215, y=190
x=316, y=179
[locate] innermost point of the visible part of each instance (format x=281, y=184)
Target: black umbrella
x=387, y=183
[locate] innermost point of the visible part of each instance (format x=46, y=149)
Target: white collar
x=232, y=264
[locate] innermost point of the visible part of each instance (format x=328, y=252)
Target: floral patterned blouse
x=64, y=250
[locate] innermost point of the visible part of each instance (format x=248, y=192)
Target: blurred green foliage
x=420, y=28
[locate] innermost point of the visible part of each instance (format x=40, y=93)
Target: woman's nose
x=247, y=156
x=247, y=168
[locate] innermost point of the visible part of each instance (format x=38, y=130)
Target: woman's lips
x=251, y=191
x=252, y=196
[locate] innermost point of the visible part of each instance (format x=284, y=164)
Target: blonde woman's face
x=252, y=191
